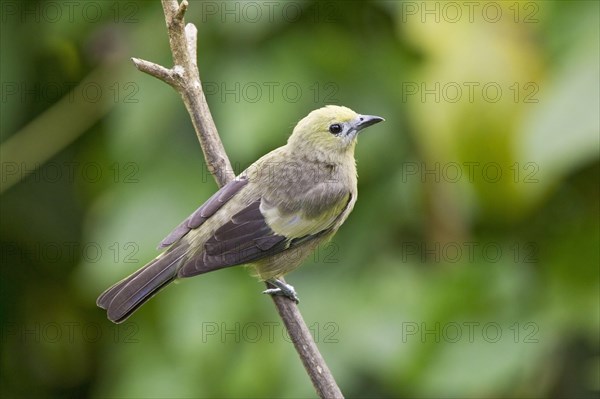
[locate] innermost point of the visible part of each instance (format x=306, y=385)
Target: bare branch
x=185, y=78
x=313, y=361
x=181, y=10
x=191, y=34
x=158, y=71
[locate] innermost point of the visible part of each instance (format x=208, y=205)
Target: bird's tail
x=126, y=296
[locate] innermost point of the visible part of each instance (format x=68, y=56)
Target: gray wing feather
x=212, y=205
x=245, y=238
x=126, y=296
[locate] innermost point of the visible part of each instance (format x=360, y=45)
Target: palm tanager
x=271, y=217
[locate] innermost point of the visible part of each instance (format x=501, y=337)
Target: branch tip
x=191, y=32
x=191, y=35
x=136, y=62
x=181, y=10
x=152, y=69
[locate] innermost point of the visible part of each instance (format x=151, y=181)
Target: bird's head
x=330, y=131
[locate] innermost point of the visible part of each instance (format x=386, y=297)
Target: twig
x=185, y=78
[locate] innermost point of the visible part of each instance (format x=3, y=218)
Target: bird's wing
x=259, y=230
x=209, y=208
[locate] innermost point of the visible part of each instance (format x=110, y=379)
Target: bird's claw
x=282, y=289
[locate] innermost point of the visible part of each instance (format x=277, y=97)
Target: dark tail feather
x=126, y=296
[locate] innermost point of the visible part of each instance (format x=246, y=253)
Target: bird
x=272, y=216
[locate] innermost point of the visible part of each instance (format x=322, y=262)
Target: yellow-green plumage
x=272, y=217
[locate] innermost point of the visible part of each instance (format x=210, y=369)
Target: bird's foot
x=282, y=288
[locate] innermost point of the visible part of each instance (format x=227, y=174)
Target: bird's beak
x=364, y=121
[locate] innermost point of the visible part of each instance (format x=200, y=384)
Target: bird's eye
x=336, y=128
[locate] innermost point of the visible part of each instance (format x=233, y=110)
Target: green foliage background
x=448, y=280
